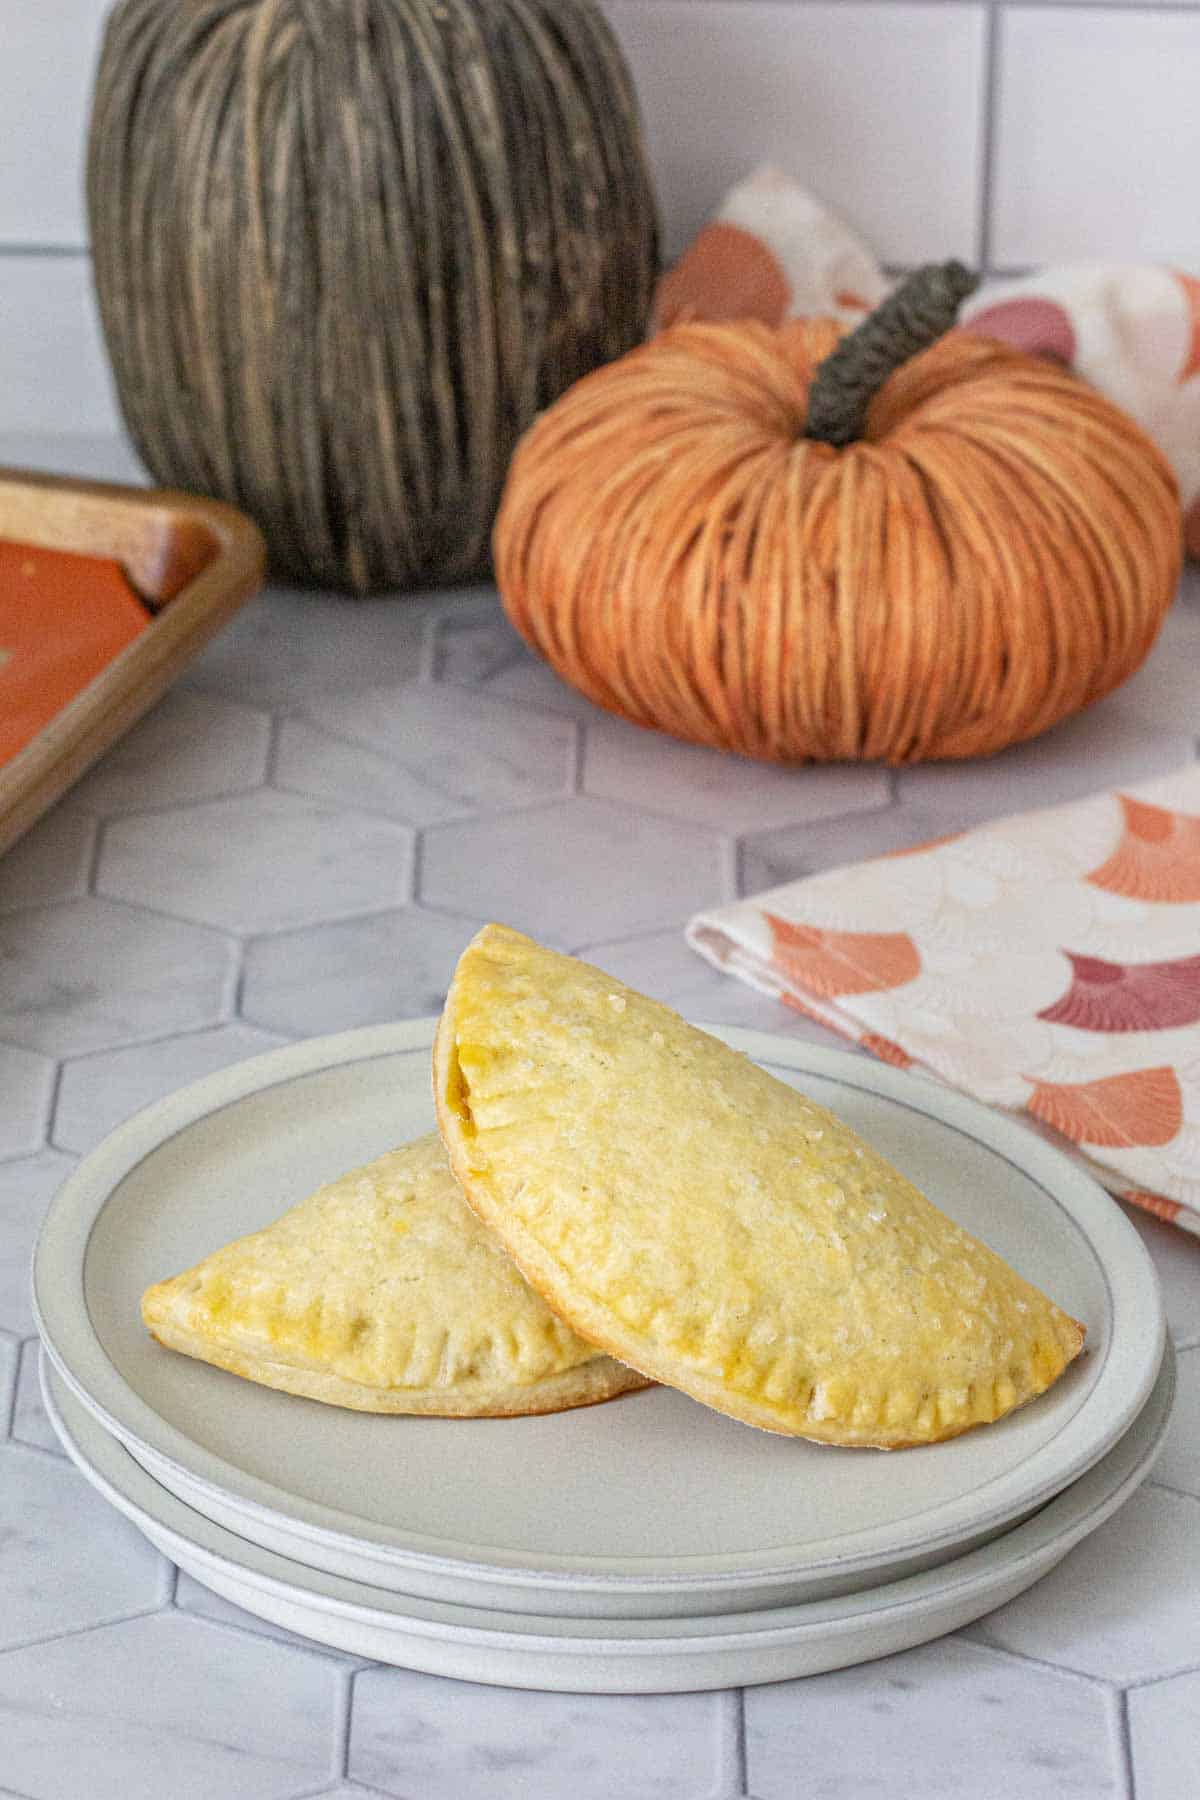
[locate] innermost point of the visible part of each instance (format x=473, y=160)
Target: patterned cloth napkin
x=1046, y=963
x=1131, y=331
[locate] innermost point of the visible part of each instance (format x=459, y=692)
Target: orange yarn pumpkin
x=996, y=551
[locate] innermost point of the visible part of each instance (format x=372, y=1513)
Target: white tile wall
x=1011, y=132
x=47, y=54
x=53, y=372
x=878, y=106
x=1097, y=136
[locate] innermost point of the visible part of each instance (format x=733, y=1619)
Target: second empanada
x=383, y=1293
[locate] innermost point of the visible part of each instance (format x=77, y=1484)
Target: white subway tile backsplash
x=878, y=107
x=49, y=54
x=53, y=370
x=1098, y=136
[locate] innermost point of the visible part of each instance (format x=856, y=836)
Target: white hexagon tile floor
x=193, y=746
x=300, y=839
x=415, y=753
x=55, y=861
x=262, y=862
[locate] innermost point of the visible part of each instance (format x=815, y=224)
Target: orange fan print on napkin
x=1118, y=1112
x=1158, y=857
x=728, y=273
x=830, y=963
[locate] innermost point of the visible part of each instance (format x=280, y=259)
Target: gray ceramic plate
x=650, y=1506
x=606, y=1656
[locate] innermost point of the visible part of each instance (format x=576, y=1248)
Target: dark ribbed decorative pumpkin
x=346, y=249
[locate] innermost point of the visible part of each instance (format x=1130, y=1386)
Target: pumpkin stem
x=918, y=312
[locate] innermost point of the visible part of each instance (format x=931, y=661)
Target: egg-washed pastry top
x=710, y=1226
x=382, y=1292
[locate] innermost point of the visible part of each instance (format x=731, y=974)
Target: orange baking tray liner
x=106, y=594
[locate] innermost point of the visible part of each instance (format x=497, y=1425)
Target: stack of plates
x=645, y=1545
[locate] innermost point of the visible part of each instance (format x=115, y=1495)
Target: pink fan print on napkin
x=1038, y=326
x=1108, y=996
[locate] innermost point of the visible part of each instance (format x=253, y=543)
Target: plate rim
x=1071, y=1516
x=78, y=1354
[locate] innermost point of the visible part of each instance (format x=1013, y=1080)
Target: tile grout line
x=891, y=802
x=728, y=1780
x=987, y=135
x=11, y=250
x=180, y=1033
x=274, y=734
x=31, y=1347
x=1122, y=1742
x=408, y=885
x=471, y=813
x=50, y=1108
x=542, y=709
x=257, y=1630
x=1138, y=1682
x=57, y=1458
x=647, y=814
x=1107, y=1683
x=344, y=1725
x=19, y=1156
x=416, y=869
x=231, y=987
x=142, y=906
x=238, y=994
x=630, y=937
x=78, y=1631
x=240, y=934
x=158, y=809
x=434, y=912
x=168, y=1581
x=742, y=1768
x=120, y=811
x=9, y=1420
x=473, y=919
x=92, y=878
x=575, y=775
x=58, y=903
x=1168, y=1487
x=731, y=868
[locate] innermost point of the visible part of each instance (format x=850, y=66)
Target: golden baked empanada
x=712, y=1227
x=382, y=1292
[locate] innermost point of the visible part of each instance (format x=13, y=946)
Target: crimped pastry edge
x=588, y=1384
